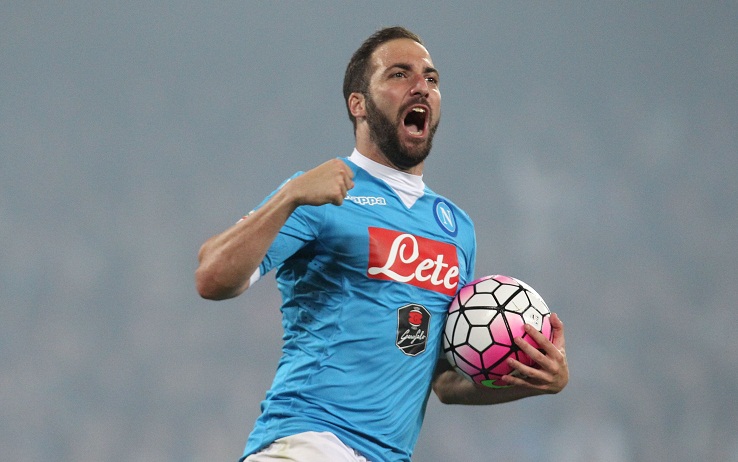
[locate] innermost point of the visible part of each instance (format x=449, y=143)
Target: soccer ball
x=483, y=318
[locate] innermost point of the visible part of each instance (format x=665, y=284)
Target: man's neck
x=407, y=186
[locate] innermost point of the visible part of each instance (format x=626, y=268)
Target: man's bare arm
x=227, y=260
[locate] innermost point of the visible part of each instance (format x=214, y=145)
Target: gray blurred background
x=594, y=143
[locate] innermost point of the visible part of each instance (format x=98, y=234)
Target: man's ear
x=357, y=105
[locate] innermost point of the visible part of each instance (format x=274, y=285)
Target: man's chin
x=416, y=147
x=411, y=157
x=419, y=149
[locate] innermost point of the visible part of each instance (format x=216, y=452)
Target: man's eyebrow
x=408, y=67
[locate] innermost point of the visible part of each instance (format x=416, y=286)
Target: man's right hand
x=327, y=183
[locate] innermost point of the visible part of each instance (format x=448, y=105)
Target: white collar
x=408, y=186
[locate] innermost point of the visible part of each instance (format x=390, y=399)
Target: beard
x=384, y=133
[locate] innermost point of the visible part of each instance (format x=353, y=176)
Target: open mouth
x=415, y=120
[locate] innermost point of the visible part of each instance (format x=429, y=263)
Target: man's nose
x=420, y=86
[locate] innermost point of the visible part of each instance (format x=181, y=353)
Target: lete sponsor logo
x=415, y=260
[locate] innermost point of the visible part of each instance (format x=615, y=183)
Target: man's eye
x=399, y=75
x=432, y=80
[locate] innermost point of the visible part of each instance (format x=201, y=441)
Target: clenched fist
x=327, y=183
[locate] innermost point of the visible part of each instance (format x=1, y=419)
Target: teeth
x=418, y=109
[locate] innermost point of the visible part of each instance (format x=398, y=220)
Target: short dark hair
x=356, y=79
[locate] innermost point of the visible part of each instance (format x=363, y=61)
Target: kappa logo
x=414, y=260
x=366, y=200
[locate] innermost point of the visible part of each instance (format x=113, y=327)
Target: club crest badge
x=445, y=217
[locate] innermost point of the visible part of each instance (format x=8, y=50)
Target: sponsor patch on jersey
x=445, y=218
x=366, y=200
x=414, y=260
x=412, y=329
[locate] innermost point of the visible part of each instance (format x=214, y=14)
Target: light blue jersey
x=365, y=289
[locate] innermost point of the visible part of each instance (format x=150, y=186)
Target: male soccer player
x=367, y=259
